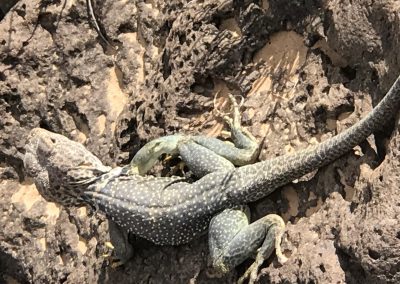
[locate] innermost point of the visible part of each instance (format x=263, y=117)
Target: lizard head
x=148, y=155
x=60, y=167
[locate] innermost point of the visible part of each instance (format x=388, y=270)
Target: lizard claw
x=233, y=122
x=252, y=271
x=115, y=262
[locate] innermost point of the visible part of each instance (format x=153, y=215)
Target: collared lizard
x=172, y=211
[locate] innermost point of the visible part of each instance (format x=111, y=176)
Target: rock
x=307, y=71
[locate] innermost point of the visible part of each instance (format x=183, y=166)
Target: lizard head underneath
x=60, y=167
x=148, y=155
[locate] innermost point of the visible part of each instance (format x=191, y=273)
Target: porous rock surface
x=307, y=70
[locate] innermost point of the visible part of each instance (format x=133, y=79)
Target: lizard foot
x=232, y=239
x=119, y=248
x=252, y=272
x=234, y=105
x=180, y=167
x=234, y=122
x=272, y=240
x=113, y=261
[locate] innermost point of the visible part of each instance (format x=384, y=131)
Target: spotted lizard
x=173, y=210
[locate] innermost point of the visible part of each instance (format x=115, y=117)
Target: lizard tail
x=258, y=180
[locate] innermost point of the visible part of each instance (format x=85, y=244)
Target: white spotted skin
x=166, y=211
x=178, y=212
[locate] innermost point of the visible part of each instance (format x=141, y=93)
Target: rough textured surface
x=324, y=66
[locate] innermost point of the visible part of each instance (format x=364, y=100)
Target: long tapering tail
x=255, y=181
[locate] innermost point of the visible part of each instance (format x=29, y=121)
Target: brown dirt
x=307, y=70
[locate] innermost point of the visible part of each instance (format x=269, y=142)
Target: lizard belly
x=166, y=213
x=167, y=226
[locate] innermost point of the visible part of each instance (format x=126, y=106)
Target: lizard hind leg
x=232, y=240
x=245, y=149
x=201, y=160
x=241, y=136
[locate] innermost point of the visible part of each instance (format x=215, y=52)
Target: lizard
x=174, y=211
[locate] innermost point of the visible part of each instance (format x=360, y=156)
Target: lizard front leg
x=122, y=250
x=232, y=240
